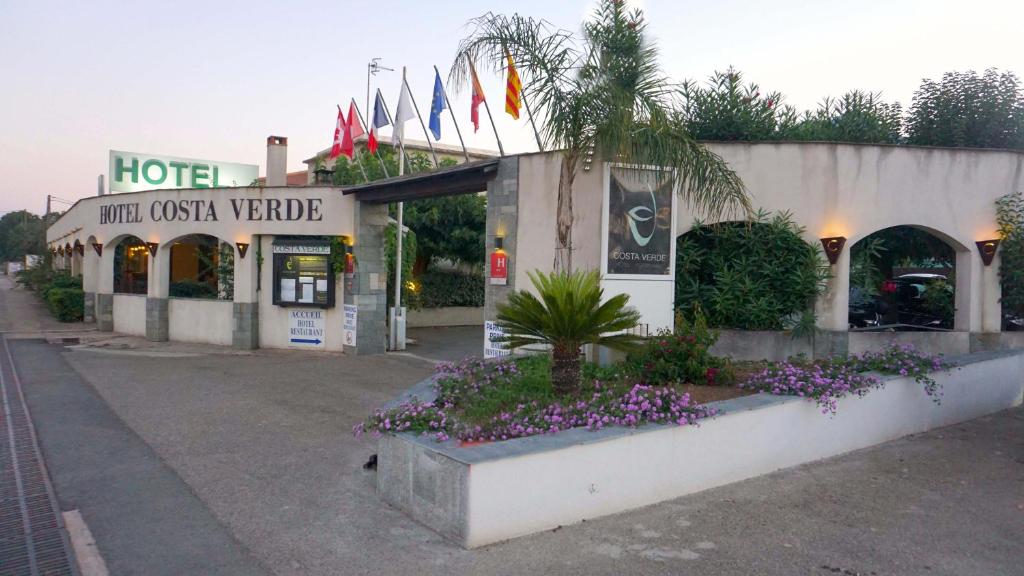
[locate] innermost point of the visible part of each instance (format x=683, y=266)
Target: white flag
x=402, y=114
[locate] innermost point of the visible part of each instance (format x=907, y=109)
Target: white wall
x=200, y=320
x=130, y=314
x=274, y=319
x=849, y=190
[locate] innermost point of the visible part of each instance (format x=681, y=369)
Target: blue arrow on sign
x=305, y=341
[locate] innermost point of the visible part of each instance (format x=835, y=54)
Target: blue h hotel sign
x=132, y=172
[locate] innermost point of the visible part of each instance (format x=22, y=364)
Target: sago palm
x=602, y=96
x=568, y=314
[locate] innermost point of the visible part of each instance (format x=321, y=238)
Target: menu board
x=303, y=275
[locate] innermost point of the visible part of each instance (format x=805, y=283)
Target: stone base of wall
x=246, y=325
x=89, y=307
x=105, y=312
x=157, y=320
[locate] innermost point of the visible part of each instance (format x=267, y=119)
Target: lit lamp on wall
x=98, y=248
x=243, y=247
x=987, y=249
x=151, y=247
x=80, y=248
x=833, y=247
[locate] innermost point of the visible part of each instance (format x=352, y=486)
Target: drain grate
x=33, y=541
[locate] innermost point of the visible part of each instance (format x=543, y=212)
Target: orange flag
x=512, y=90
x=478, y=97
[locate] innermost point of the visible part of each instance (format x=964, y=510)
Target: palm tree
x=602, y=96
x=568, y=314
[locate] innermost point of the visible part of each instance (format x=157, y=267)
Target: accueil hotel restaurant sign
x=133, y=172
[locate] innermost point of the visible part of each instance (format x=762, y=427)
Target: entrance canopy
x=467, y=178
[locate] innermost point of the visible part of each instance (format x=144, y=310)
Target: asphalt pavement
x=226, y=463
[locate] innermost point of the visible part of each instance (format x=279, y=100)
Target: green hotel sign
x=132, y=172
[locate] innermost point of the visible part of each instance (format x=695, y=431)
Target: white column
x=832, y=306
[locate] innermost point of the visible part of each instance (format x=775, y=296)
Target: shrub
x=440, y=289
x=751, y=276
x=855, y=117
x=570, y=312
x=724, y=109
x=964, y=109
x=682, y=356
x=191, y=289
x=1010, y=216
x=66, y=304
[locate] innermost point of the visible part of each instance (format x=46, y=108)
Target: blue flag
x=436, y=107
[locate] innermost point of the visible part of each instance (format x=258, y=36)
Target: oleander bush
x=444, y=288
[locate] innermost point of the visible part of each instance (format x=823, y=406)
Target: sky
x=213, y=79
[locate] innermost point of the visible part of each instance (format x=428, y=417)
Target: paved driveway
x=263, y=441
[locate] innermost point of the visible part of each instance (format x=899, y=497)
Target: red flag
x=353, y=129
x=336, y=148
x=478, y=97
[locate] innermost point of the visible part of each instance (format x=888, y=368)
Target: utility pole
x=372, y=68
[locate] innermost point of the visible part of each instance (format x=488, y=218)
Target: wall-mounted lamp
x=152, y=246
x=98, y=248
x=60, y=251
x=67, y=249
x=833, y=247
x=243, y=247
x=53, y=251
x=499, y=242
x=80, y=248
x=987, y=249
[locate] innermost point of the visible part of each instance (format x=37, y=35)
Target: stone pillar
x=502, y=220
x=89, y=307
x=104, y=282
x=969, y=291
x=105, y=312
x=367, y=288
x=245, y=309
x=158, y=286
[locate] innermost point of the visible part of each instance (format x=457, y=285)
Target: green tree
x=964, y=109
x=601, y=93
x=726, y=109
x=21, y=233
x=1010, y=216
x=450, y=227
x=570, y=312
x=855, y=117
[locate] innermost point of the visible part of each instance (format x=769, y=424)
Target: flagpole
x=360, y=164
x=396, y=345
x=451, y=111
x=487, y=108
x=368, y=128
x=426, y=135
x=401, y=143
x=522, y=96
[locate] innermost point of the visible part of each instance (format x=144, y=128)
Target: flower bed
x=827, y=381
x=478, y=401
x=481, y=401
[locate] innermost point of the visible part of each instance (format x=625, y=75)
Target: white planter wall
x=130, y=314
x=484, y=494
x=197, y=320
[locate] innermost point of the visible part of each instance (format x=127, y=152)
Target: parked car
x=912, y=307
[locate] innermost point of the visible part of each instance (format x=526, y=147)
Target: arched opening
x=201, y=266
x=131, y=266
x=903, y=278
x=760, y=275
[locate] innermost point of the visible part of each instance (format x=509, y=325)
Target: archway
x=904, y=278
x=201, y=266
x=131, y=266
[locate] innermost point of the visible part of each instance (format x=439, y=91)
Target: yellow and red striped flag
x=513, y=90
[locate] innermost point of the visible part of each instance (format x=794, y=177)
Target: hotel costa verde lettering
x=240, y=209
x=134, y=172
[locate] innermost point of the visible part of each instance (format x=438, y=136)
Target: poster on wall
x=639, y=239
x=303, y=275
x=349, y=327
x=493, y=348
x=306, y=328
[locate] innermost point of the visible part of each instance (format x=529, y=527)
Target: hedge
x=441, y=289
